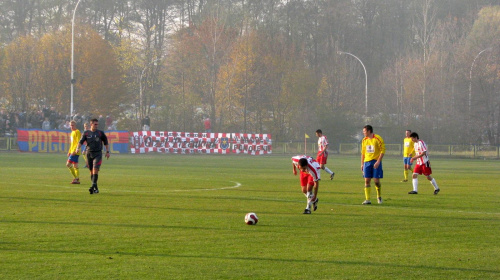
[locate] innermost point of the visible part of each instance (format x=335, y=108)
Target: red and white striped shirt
x=322, y=143
x=313, y=167
x=420, y=148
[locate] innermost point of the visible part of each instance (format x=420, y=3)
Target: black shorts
x=94, y=160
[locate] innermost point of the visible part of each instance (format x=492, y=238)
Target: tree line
x=284, y=67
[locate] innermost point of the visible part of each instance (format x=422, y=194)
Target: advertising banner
x=199, y=143
x=57, y=141
x=252, y=144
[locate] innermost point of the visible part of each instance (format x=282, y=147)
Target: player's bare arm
x=107, y=152
x=417, y=157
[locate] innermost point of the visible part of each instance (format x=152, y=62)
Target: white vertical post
x=73, y=58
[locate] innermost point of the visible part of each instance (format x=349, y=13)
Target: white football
x=251, y=218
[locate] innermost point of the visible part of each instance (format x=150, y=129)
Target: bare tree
x=424, y=23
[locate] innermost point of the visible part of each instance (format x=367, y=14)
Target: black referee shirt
x=95, y=140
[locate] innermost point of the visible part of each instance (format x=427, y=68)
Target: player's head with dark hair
x=303, y=162
x=368, y=128
x=93, y=124
x=414, y=135
x=319, y=131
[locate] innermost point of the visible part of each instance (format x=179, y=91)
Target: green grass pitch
x=182, y=217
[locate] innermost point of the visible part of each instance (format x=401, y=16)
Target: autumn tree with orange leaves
x=37, y=73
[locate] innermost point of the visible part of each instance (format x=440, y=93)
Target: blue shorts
x=370, y=172
x=73, y=159
x=406, y=160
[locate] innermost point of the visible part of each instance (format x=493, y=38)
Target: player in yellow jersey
x=408, y=152
x=372, y=152
x=73, y=153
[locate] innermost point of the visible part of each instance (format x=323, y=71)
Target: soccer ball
x=251, y=219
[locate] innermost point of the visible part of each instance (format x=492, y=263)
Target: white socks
x=309, y=195
x=415, y=184
x=434, y=184
x=328, y=170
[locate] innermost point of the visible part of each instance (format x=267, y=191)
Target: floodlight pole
x=73, y=81
x=366, y=80
x=470, y=77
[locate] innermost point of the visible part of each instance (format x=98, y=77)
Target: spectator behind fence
x=146, y=123
x=2, y=124
x=102, y=123
x=46, y=124
x=109, y=122
x=208, y=125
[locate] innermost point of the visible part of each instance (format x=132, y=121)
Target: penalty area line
x=236, y=185
x=111, y=190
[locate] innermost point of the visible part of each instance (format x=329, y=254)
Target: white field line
x=80, y=187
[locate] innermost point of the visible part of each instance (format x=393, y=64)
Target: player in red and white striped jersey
x=309, y=179
x=423, y=165
x=322, y=155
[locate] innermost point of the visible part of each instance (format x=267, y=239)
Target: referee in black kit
x=95, y=140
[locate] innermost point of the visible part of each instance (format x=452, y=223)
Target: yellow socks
x=72, y=170
x=367, y=192
x=379, y=191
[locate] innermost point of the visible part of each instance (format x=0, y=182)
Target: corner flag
x=307, y=136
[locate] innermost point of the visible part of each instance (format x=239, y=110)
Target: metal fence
x=464, y=151
x=8, y=143
x=295, y=148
